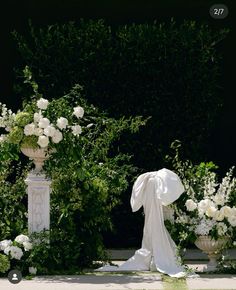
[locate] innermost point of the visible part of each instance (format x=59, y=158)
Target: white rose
x=21, y=239
x=218, y=216
x=4, y=244
x=29, y=129
x=78, y=112
x=33, y=270
x=232, y=221
x=204, y=204
x=16, y=252
x=219, y=199
x=57, y=137
x=27, y=246
x=226, y=210
x=62, y=123
x=43, y=141
x=38, y=131
x=49, y=131
x=42, y=104
x=76, y=130
x=44, y=123
x=190, y=205
x=37, y=117
x=211, y=211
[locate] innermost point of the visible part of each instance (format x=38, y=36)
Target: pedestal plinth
x=38, y=190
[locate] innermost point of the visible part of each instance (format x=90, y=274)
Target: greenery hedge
x=168, y=71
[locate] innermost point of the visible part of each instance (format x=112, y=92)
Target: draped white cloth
x=152, y=190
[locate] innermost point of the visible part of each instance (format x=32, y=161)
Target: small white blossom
x=76, y=130
x=49, y=131
x=29, y=129
x=219, y=199
x=43, y=141
x=4, y=244
x=44, y=123
x=57, y=137
x=42, y=104
x=90, y=125
x=62, y=123
x=78, y=112
x=21, y=239
x=27, y=246
x=190, y=205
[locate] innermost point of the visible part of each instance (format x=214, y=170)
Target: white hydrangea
x=38, y=131
x=14, y=251
x=62, y=123
x=27, y=246
x=21, y=239
x=44, y=123
x=76, y=130
x=42, y=104
x=43, y=141
x=33, y=270
x=78, y=112
x=49, y=131
x=37, y=117
x=190, y=205
x=29, y=129
x=204, y=227
x=57, y=137
x=4, y=244
x=221, y=228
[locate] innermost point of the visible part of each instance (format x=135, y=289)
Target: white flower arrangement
x=25, y=128
x=15, y=249
x=210, y=207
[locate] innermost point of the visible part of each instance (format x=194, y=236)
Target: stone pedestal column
x=38, y=190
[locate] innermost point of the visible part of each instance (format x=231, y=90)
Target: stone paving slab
x=212, y=282
x=88, y=282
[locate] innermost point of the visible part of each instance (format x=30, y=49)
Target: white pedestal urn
x=38, y=190
x=212, y=248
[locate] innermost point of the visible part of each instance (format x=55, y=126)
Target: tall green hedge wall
x=168, y=71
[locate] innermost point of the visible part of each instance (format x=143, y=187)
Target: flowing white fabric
x=152, y=190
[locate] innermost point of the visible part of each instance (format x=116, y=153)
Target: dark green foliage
x=168, y=71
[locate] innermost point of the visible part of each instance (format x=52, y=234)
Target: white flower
x=3, y=138
x=57, y=137
x=78, y=112
x=190, y=205
x=226, y=210
x=42, y=104
x=29, y=129
x=218, y=216
x=204, y=204
x=43, y=141
x=210, y=211
x=50, y=131
x=232, y=221
x=204, y=227
x=4, y=244
x=234, y=243
x=219, y=199
x=62, y=123
x=33, y=270
x=221, y=228
x=16, y=252
x=27, y=246
x=44, y=123
x=38, y=131
x=76, y=130
x=21, y=239
x=37, y=117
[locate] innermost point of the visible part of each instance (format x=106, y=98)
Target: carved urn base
x=212, y=248
x=38, y=156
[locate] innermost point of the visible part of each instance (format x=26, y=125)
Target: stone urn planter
x=38, y=156
x=212, y=248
